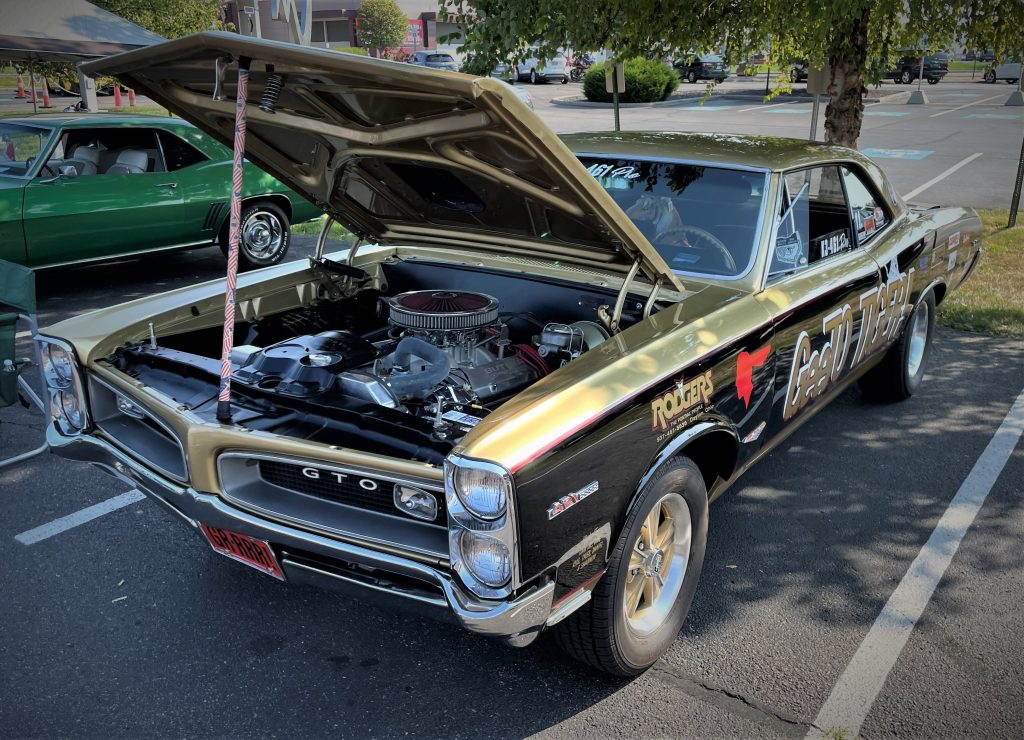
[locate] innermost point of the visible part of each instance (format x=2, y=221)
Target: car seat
x=85, y=160
x=129, y=162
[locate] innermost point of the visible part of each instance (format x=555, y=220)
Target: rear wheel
x=933, y=80
x=264, y=236
x=691, y=76
x=639, y=606
x=533, y=77
x=898, y=375
x=990, y=76
x=906, y=77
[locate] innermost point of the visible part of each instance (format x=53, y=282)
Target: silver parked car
x=434, y=60
x=1009, y=71
x=533, y=69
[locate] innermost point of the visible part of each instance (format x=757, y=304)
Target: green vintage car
x=80, y=188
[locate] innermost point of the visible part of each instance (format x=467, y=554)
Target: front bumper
x=307, y=557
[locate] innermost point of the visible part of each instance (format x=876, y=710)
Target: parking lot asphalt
x=129, y=626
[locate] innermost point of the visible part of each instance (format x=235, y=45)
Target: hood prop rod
x=234, y=234
x=611, y=321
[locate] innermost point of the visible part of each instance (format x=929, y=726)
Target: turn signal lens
x=416, y=502
x=486, y=557
x=483, y=492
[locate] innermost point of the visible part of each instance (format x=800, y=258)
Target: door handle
x=171, y=185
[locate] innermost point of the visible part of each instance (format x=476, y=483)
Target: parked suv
x=434, y=60
x=536, y=71
x=701, y=67
x=908, y=68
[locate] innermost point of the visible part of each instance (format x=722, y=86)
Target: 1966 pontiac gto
x=512, y=401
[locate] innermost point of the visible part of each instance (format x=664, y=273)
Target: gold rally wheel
x=640, y=604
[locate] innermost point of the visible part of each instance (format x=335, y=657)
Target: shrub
x=647, y=81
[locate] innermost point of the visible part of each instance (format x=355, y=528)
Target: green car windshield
x=702, y=220
x=20, y=145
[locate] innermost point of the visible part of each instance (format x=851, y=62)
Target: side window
x=869, y=215
x=814, y=221
x=178, y=153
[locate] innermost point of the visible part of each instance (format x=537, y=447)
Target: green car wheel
x=264, y=238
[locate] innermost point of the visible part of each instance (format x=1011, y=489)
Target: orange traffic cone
x=46, y=95
x=117, y=95
x=131, y=96
x=21, y=88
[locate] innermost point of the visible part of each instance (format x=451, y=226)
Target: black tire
x=990, y=77
x=1012, y=82
x=905, y=77
x=933, y=80
x=894, y=378
x=260, y=219
x=533, y=77
x=794, y=76
x=691, y=76
x=565, y=80
x=599, y=635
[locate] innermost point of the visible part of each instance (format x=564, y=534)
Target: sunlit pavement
x=128, y=626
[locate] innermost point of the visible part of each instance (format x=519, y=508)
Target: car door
x=204, y=183
x=819, y=283
x=122, y=208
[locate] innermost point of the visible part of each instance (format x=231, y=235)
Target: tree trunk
x=845, y=111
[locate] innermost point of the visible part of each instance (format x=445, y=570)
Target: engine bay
x=406, y=372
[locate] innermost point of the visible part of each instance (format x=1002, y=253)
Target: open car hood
x=399, y=154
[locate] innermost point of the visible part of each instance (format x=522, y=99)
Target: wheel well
x=715, y=455
x=939, y=290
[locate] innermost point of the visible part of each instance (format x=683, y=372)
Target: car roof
x=759, y=152
x=79, y=120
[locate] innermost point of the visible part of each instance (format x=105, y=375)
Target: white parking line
x=87, y=514
x=21, y=334
x=942, y=176
x=965, y=105
x=858, y=687
x=762, y=107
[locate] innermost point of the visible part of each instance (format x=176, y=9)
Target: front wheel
x=565, y=80
x=990, y=77
x=533, y=77
x=691, y=76
x=906, y=77
x=898, y=375
x=264, y=236
x=641, y=602
x=933, y=80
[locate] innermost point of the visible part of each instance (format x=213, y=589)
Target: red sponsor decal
x=745, y=364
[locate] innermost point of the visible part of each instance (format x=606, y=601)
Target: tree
x=855, y=39
x=381, y=25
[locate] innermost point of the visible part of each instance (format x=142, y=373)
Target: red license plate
x=244, y=549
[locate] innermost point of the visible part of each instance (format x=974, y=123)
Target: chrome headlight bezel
x=501, y=527
x=62, y=376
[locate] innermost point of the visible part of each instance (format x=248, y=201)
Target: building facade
x=334, y=24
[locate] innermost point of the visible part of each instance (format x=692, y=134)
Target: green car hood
x=397, y=153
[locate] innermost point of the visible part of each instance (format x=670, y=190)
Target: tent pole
x=224, y=399
x=32, y=83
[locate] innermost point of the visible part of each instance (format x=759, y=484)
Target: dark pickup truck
x=908, y=68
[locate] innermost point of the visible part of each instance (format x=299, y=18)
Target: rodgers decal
x=684, y=397
x=745, y=364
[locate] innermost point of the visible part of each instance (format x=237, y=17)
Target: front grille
x=350, y=501
x=141, y=435
x=363, y=492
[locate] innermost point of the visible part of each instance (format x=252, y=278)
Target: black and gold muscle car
x=512, y=399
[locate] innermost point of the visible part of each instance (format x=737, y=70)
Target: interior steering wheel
x=694, y=237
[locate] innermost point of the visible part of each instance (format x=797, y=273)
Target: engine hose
x=406, y=384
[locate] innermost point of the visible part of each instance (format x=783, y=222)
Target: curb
x=578, y=101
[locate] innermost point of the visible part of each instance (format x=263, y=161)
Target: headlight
x=483, y=491
x=67, y=396
x=487, y=558
x=58, y=366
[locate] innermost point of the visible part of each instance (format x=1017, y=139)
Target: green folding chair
x=17, y=303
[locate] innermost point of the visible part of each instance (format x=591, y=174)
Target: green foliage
x=647, y=81
x=381, y=24
x=357, y=50
x=169, y=18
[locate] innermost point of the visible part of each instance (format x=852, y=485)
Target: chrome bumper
x=307, y=557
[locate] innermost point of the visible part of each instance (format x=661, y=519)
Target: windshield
x=702, y=220
x=440, y=58
x=20, y=145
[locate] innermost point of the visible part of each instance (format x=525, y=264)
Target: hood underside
x=399, y=154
